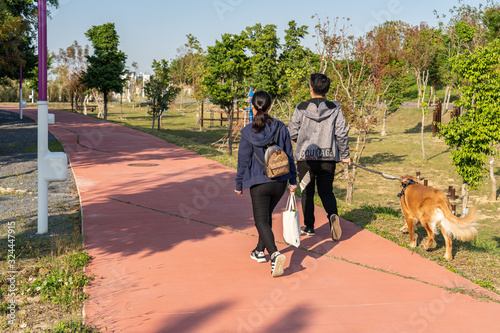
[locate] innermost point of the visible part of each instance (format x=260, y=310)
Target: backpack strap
x=274, y=141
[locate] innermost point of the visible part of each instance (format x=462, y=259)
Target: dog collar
x=405, y=186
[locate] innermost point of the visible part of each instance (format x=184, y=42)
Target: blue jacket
x=250, y=171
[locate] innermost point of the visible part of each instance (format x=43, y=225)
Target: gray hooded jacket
x=319, y=128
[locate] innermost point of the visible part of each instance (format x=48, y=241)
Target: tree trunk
x=182, y=99
x=85, y=101
x=71, y=97
x=423, y=85
x=422, y=134
x=106, y=105
x=350, y=192
x=419, y=88
x=76, y=103
x=448, y=99
x=198, y=113
x=493, y=179
x=384, y=132
x=465, y=198
x=349, y=197
x=230, y=130
x=425, y=78
x=159, y=121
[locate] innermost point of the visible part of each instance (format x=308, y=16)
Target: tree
x=491, y=19
x=18, y=34
x=384, y=54
x=71, y=63
x=421, y=47
x=227, y=69
x=466, y=29
x=264, y=47
x=160, y=90
x=106, y=67
x=31, y=75
x=296, y=64
x=189, y=68
x=475, y=135
x=362, y=70
x=11, y=34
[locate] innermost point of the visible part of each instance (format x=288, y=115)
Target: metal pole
x=43, y=185
x=51, y=166
x=21, y=92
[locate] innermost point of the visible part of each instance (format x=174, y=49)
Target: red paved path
x=171, y=245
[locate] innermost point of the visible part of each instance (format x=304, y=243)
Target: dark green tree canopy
x=18, y=32
x=229, y=67
x=106, y=67
x=160, y=89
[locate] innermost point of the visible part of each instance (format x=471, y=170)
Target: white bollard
x=51, y=166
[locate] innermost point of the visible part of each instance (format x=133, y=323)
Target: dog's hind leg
x=430, y=236
x=449, y=244
x=411, y=222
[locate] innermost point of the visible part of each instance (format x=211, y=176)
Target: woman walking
x=264, y=191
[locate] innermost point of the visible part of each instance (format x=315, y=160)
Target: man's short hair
x=320, y=84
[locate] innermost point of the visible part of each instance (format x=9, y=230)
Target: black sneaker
x=277, y=263
x=259, y=256
x=306, y=230
x=335, y=230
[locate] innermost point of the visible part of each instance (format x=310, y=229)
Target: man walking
x=318, y=126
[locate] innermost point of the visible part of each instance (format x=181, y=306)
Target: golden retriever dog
x=431, y=208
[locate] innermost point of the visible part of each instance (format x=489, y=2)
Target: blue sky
x=154, y=29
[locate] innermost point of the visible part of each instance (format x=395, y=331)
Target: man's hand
x=292, y=188
x=239, y=192
x=347, y=161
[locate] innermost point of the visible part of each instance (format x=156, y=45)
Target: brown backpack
x=276, y=161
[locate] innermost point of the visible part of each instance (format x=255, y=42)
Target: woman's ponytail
x=261, y=102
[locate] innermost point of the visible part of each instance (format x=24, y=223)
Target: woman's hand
x=239, y=192
x=292, y=188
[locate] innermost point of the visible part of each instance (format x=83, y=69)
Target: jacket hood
x=317, y=109
x=262, y=138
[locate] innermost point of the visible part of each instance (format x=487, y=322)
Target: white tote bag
x=291, y=223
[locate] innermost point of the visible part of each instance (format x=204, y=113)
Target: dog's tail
x=461, y=228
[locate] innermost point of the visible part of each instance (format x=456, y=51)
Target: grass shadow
x=439, y=154
x=381, y=158
x=418, y=129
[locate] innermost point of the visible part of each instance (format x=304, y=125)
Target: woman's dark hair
x=261, y=102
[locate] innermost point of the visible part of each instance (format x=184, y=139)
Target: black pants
x=321, y=174
x=264, y=198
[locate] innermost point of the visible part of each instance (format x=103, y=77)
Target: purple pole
x=21, y=92
x=42, y=50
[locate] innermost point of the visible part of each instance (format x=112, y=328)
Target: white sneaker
x=259, y=256
x=277, y=263
x=335, y=230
